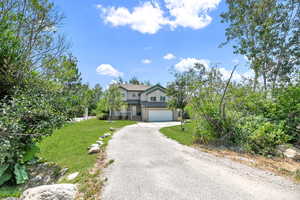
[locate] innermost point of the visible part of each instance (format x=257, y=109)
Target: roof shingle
x=132, y=87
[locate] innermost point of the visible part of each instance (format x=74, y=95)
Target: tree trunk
x=182, y=120
x=109, y=116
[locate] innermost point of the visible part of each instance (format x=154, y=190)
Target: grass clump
x=184, y=137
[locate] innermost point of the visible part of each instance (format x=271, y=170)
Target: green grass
x=68, y=146
x=9, y=191
x=184, y=137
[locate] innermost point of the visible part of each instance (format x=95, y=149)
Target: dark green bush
x=24, y=120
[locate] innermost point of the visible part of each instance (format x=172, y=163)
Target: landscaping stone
x=51, y=192
x=107, y=134
x=95, y=149
x=72, y=176
x=43, y=174
x=100, y=142
x=112, y=129
x=64, y=171
x=289, y=151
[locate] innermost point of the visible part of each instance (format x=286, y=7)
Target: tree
x=178, y=90
x=135, y=81
x=114, y=99
x=39, y=82
x=267, y=33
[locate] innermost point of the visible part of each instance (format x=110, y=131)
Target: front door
x=133, y=110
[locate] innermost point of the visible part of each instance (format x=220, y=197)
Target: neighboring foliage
x=238, y=116
x=40, y=85
x=259, y=113
x=178, y=91
x=267, y=33
x=112, y=101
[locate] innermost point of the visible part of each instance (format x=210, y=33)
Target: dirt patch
x=279, y=166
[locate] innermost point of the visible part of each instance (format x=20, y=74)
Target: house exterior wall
x=124, y=93
x=133, y=95
x=155, y=93
x=142, y=102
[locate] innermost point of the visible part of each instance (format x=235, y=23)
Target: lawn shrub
x=234, y=114
x=24, y=120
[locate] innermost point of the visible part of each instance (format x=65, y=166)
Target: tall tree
x=114, y=99
x=134, y=80
x=178, y=91
x=267, y=33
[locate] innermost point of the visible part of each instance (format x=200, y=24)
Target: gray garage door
x=160, y=115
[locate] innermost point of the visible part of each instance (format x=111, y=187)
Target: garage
x=160, y=115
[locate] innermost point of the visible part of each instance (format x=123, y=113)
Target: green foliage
x=267, y=33
x=113, y=100
x=257, y=135
x=102, y=109
x=245, y=118
x=40, y=84
x=24, y=120
x=20, y=173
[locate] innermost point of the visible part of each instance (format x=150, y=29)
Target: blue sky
x=132, y=37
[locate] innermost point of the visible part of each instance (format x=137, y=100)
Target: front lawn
x=184, y=137
x=68, y=146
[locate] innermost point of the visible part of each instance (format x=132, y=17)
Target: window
x=162, y=99
x=133, y=94
x=153, y=98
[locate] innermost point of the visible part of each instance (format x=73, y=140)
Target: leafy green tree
x=178, y=91
x=267, y=33
x=134, y=80
x=114, y=99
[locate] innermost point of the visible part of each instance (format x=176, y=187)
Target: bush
x=24, y=120
x=261, y=136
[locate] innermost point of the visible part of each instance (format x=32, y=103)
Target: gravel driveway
x=150, y=166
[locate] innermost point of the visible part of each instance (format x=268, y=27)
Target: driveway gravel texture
x=147, y=165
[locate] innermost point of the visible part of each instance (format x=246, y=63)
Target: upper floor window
x=153, y=98
x=133, y=94
x=162, y=98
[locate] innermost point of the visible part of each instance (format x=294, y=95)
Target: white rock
x=94, y=145
x=72, y=176
x=289, y=151
x=50, y=192
x=107, y=135
x=112, y=129
x=292, y=153
x=100, y=142
x=94, y=150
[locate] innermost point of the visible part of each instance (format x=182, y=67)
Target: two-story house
x=146, y=103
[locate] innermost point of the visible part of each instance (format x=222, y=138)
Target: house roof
x=131, y=87
x=154, y=87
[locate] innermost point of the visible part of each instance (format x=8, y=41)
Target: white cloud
x=150, y=18
x=146, y=18
x=189, y=63
x=191, y=13
x=169, y=56
x=146, y=61
x=107, y=69
x=237, y=77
